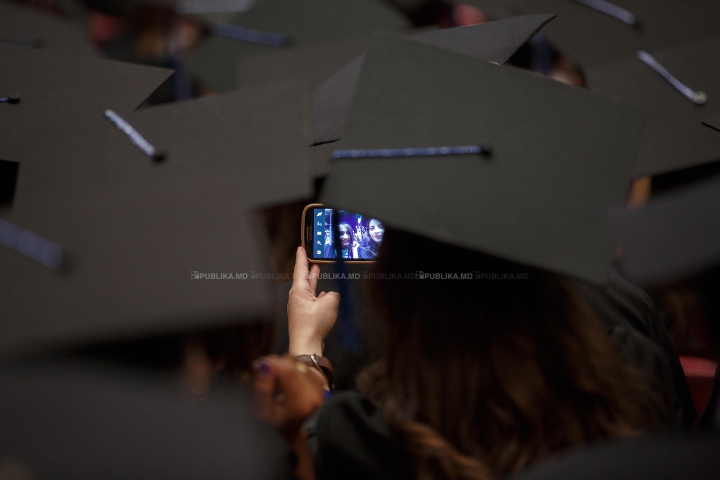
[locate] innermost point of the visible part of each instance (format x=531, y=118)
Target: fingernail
x=262, y=367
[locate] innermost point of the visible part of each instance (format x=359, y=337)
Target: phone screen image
x=360, y=237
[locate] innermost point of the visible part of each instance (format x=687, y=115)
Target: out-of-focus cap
x=675, y=137
x=56, y=90
x=256, y=138
x=299, y=22
x=671, y=238
x=140, y=260
x=491, y=41
x=661, y=457
x=29, y=28
x=560, y=155
x=74, y=420
x=154, y=247
x=592, y=37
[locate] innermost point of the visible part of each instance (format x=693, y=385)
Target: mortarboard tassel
x=613, y=10
x=30, y=244
x=412, y=152
x=135, y=137
x=252, y=36
x=697, y=97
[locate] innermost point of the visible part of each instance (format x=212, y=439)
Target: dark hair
x=481, y=378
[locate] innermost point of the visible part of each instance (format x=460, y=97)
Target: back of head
x=499, y=359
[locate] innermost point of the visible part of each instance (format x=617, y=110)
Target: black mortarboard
x=74, y=420
x=492, y=41
x=30, y=28
x=134, y=261
x=133, y=230
x=661, y=457
x=592, y=37
x=674, y=236
x=559, y=156
x=257, y=137
x=292, y=23
x=713, y=122
x=675, y=137
x=56, y=91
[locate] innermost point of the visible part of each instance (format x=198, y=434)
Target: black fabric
x=350, y=440
x=657, y=458
x=673, y=237
x=708, y=420
x=625, y=308
x=84, y=421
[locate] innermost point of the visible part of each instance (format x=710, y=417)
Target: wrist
x=299, y=347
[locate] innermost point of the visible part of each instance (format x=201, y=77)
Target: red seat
x=699, y=373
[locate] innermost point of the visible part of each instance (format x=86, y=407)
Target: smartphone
x=359, y=237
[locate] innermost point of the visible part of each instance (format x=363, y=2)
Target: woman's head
x=501, y=359
x=376, y=230
x=346, y=235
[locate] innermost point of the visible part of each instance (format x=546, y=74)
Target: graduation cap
x=30, y=28
x=134, y=261
x=75, y=420
x=679, y=89
x=255, y=137
x=272, y=25
x=594, y=32
x=491, y=41
x=674, y=236
x=501, y=160
x=152, y=247
x=54, y=91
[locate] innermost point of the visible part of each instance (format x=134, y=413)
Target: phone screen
x=360, y=237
